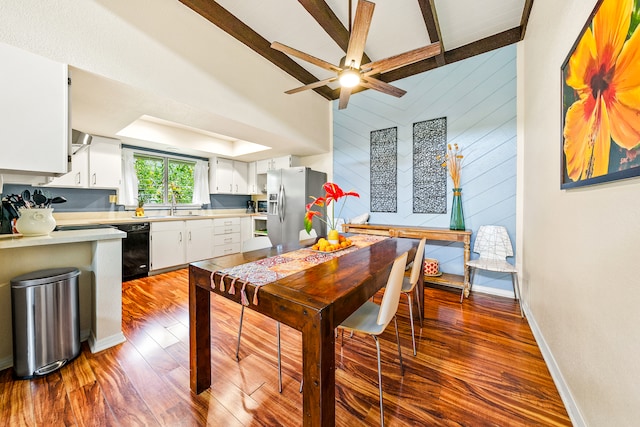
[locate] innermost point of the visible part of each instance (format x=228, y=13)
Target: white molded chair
x=308, y=238
x=373, y=319
x=494, y=246
x=409, y=287
x=253, y=244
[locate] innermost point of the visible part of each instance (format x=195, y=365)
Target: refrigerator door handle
x=281, y=203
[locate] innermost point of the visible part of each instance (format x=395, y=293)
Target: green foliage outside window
x=159, y=176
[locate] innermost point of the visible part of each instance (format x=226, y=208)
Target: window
x=160, y=178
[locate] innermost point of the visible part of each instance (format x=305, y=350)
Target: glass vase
x=457, y=217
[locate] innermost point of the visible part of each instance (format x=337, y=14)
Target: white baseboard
x=556, y=374
x=6, y=362
x=103, y=344
x=493, y=291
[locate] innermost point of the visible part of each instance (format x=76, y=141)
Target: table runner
x=267, y=270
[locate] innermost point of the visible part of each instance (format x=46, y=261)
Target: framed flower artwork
x=601, y=97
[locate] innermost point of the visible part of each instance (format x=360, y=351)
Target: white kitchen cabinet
x=98, y=165
x=226, y=236
x=256, y=182
x=105, y=162
x=246, y=228
x=34, y=107
x=167, y=244
x=252, y=178
x=199, y=234
x=283, y=162
x=240, y=178
x=79, y=174
x=178, y=242
x=263, y=166
x=227, y=176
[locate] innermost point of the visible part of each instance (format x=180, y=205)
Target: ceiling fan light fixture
x=349, y=78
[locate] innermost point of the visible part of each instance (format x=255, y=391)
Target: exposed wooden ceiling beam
x=330, y=23
x=227, y=22
x=487, y=44
x=433, y=28
x=526, y=12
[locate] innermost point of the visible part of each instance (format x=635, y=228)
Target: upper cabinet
x=227, y=176
x=98, y=165
x=284, y=162
x=34, y=107
x=105, y=163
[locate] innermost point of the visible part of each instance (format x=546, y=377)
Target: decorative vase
x=35, y=222
x=457, y=217
x=333, y=237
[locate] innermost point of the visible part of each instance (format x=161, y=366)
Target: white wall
x=164, y=48
x=580, y=249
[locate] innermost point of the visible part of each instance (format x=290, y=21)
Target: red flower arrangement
x=333, y=194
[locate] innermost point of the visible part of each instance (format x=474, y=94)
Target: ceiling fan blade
x=305, y=57
x=358, y=38
x=381, y=86
x=312, y=85
x=402, y=59
x=345, y=93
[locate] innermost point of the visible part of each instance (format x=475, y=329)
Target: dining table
x=314, y=296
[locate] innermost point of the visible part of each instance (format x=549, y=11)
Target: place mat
x=267, y=270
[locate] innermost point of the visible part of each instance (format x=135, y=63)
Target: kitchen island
x=96, y=253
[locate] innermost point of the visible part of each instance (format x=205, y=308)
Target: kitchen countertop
x=13, y=241
x=128, y=218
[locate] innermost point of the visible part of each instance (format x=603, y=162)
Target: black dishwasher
x=135, y=250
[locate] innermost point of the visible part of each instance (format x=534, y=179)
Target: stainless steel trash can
x=46, y=323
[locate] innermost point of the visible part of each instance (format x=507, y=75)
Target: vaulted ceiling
x=463, y=28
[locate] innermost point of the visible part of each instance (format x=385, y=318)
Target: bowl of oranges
x=323, y=245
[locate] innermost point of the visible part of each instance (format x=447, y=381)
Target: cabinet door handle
x=180, y=237
x=230, y=188
x=236, y=188
x=78, y=178
x=189, y=235
x=94, y=179
x=228, y=240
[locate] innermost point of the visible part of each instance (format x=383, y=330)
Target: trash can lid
x=41, y=277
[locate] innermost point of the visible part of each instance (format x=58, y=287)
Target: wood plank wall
x=478, y=97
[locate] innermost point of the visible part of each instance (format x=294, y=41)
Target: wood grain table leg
x=199, y=336
x=467, y=255
x=318, y=362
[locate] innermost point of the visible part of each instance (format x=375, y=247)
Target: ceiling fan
x=351, y=73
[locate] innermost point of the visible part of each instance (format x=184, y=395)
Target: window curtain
x=201, y=183
x=129, y=179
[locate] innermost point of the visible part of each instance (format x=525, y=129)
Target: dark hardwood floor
x=477, y=365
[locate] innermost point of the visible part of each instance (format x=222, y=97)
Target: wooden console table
x=430, y=233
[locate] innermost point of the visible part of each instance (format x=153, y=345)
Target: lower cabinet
x=180, y=242
x=199, y=235
x=226, y=236
x=175, y=243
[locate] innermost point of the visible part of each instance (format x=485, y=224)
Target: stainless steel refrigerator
x=288, y=192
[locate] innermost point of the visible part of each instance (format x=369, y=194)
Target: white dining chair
x=494, y=246
x=307, y=238
x=373, y=319
x=409, y=287
x=253, y=244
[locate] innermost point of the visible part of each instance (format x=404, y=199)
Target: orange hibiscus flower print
x=604, y=74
